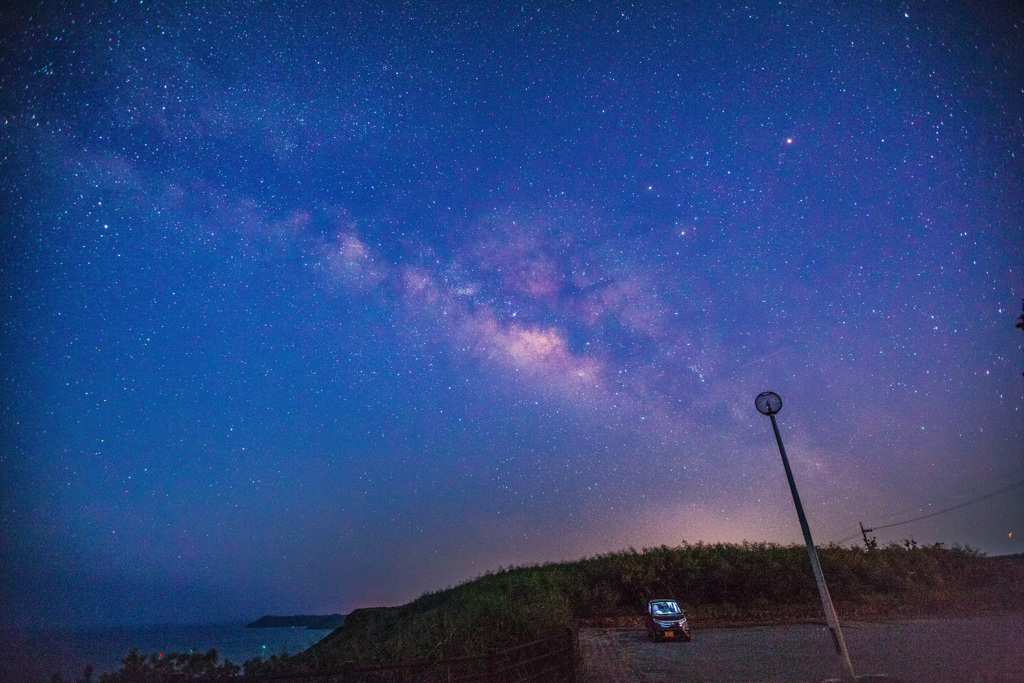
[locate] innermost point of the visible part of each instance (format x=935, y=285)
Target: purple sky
x=310, y=310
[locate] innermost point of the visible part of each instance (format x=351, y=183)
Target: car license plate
x=670, y=634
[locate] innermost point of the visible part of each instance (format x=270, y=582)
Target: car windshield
x=665, y=607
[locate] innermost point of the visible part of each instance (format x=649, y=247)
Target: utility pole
x=864, y=532
x=1020, y=323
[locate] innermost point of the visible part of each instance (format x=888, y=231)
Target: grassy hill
x=720, y=583
x=717, y=584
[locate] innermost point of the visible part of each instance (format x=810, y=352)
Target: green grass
x=752, y=582
x=716, y=584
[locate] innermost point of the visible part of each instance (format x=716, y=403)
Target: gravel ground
x=986, y=649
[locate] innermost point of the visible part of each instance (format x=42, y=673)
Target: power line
x=938, y=512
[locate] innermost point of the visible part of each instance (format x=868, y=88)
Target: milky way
x=311, y=309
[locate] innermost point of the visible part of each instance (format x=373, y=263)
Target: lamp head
x=768, y=403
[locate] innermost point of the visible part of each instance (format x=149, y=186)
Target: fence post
x=492, y=664
x=572, y=636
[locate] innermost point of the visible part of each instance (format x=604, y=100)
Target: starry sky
x=316, y=306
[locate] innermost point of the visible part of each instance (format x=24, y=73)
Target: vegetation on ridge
x=752, y=582
x=716, y=583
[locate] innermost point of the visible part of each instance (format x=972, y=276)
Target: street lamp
x=768, y=403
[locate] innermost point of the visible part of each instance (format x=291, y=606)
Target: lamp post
x=768, y=403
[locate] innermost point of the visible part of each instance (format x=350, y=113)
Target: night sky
x=311, y=309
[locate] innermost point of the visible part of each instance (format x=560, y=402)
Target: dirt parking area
x=986, y=649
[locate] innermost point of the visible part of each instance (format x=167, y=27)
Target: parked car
x=666, y=620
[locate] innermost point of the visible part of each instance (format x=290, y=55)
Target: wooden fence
x=549, y=660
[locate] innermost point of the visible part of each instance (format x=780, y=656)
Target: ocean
x=31, y=656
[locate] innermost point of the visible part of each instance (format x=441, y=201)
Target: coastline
x=35, y=654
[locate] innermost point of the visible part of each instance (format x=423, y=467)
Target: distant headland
x=308, y=621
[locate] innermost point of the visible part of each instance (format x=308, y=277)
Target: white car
x=666, y=620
